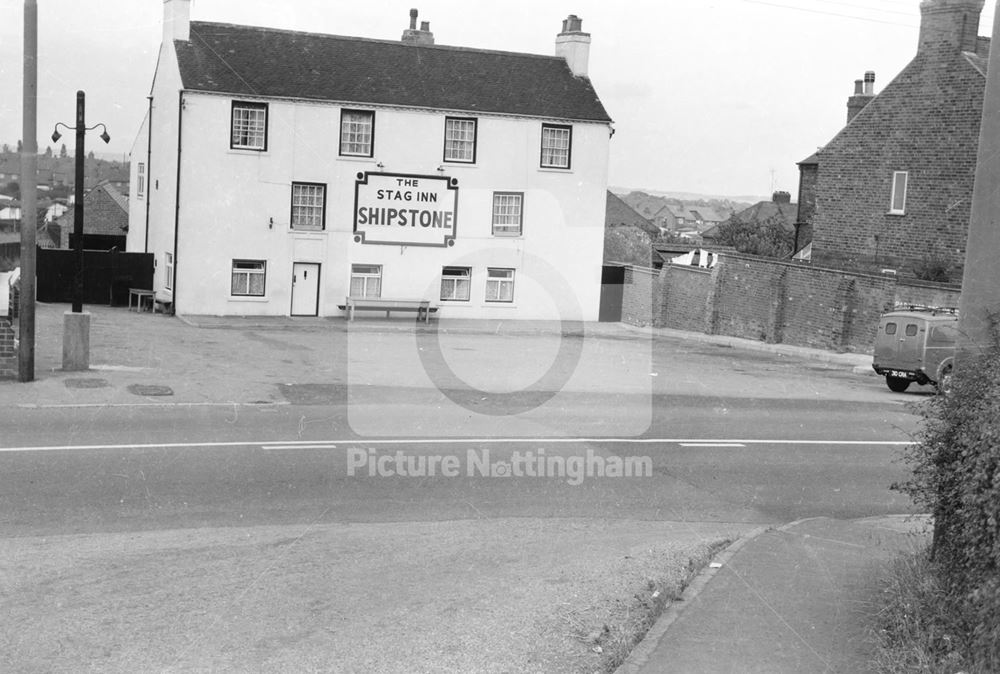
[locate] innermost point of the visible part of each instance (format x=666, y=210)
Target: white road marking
x=32, y=406
x=711, y=444
x=327, y=444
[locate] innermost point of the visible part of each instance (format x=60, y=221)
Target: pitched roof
x=251, y=61
x=762, y=211
x=618, y=213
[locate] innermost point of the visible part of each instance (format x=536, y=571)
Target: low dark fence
x=107, y=275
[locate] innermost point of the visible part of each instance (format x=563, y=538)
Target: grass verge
x=917, y=626
x=612, y=631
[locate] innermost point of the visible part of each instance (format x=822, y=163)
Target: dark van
x=916, y=345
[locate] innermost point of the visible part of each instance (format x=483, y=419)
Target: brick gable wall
x=926, y=122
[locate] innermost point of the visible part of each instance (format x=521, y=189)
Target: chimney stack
x=573, y=45
x=781, y=197
x=953, y=24
x=176, y=20
x=412, y=35
x=864, y=92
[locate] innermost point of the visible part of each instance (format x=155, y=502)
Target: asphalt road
x=733, y=437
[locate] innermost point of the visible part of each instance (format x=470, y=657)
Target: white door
x=305, y=289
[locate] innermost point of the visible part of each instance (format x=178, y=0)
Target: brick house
x=105, y=219
x=893, y=189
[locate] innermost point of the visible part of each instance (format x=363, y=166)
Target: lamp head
x=56, y=136
x=105, y=137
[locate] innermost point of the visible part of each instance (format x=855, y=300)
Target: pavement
x=797, y=598
x=790, y=599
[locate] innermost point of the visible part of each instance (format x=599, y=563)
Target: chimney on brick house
x=413, y=35
x=574, y=45
x=952, y=23
x=781, y=197
x=864, y=92
x=176, y=20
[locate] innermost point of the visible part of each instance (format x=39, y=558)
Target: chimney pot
x=858, y=84
x=425, y=26
x=574, y=45
x=413, y=19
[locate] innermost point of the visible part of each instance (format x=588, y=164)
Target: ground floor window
x=168, y=270
x=456, y=283
x=248, y=277
x=366, y=280
x=499, y=285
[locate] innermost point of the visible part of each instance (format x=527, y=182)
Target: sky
x=715, y=97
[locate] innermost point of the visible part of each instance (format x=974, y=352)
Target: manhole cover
x=314, y=394
x=87, y=383
x=150, y=390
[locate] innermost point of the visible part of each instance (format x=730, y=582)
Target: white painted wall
x=236, y=205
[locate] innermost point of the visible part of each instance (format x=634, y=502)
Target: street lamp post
x=76, y=324
x=81, y=130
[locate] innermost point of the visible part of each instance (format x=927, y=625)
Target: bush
x=956, y=476
x=766, y=239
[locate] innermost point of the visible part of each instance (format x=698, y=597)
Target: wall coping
x=932, y=285
x=810, y=267
x=689, y=267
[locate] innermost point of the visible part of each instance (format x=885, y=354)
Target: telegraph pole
x=29, y=197
x=980, y=300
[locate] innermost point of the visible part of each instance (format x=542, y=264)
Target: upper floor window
x=557, y=142
x=308, y=206
x=366, y=280
x=898, y=205
x=249, y=129
x=357, y=133
x=460, y=140
x=508, y=216
x=140, y=180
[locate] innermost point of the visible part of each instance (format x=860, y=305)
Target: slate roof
x=618, y=213
x=251, y=61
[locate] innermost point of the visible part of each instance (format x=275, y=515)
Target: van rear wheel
x=897, y=384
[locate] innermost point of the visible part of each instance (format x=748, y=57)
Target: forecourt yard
x=316, y=495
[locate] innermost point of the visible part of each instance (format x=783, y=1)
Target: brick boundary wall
x=8, y=356
x=927, y=294
x=684, y=302
x=778, y=302
x=640, y=296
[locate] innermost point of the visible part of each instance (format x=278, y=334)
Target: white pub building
x=280, y=172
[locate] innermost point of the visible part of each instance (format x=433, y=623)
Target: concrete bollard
x=76, y=341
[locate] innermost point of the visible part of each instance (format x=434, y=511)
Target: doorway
x=305, y=289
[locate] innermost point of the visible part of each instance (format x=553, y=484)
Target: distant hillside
x=691, y=196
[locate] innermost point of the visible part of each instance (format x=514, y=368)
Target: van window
x=890, y=328
x=911, y=330
x=944, y=333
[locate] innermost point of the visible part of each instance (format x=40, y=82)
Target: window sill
x=459, y=164
x=519, y=235
x=354, y=157
x=248, y=298
x=246, y=151
x=554, y=169
x=318, y=233
x=896, y=213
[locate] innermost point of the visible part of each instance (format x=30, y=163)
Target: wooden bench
x=141, y=295
x=422, y=307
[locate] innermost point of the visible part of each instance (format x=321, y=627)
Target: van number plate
x=900, y=374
